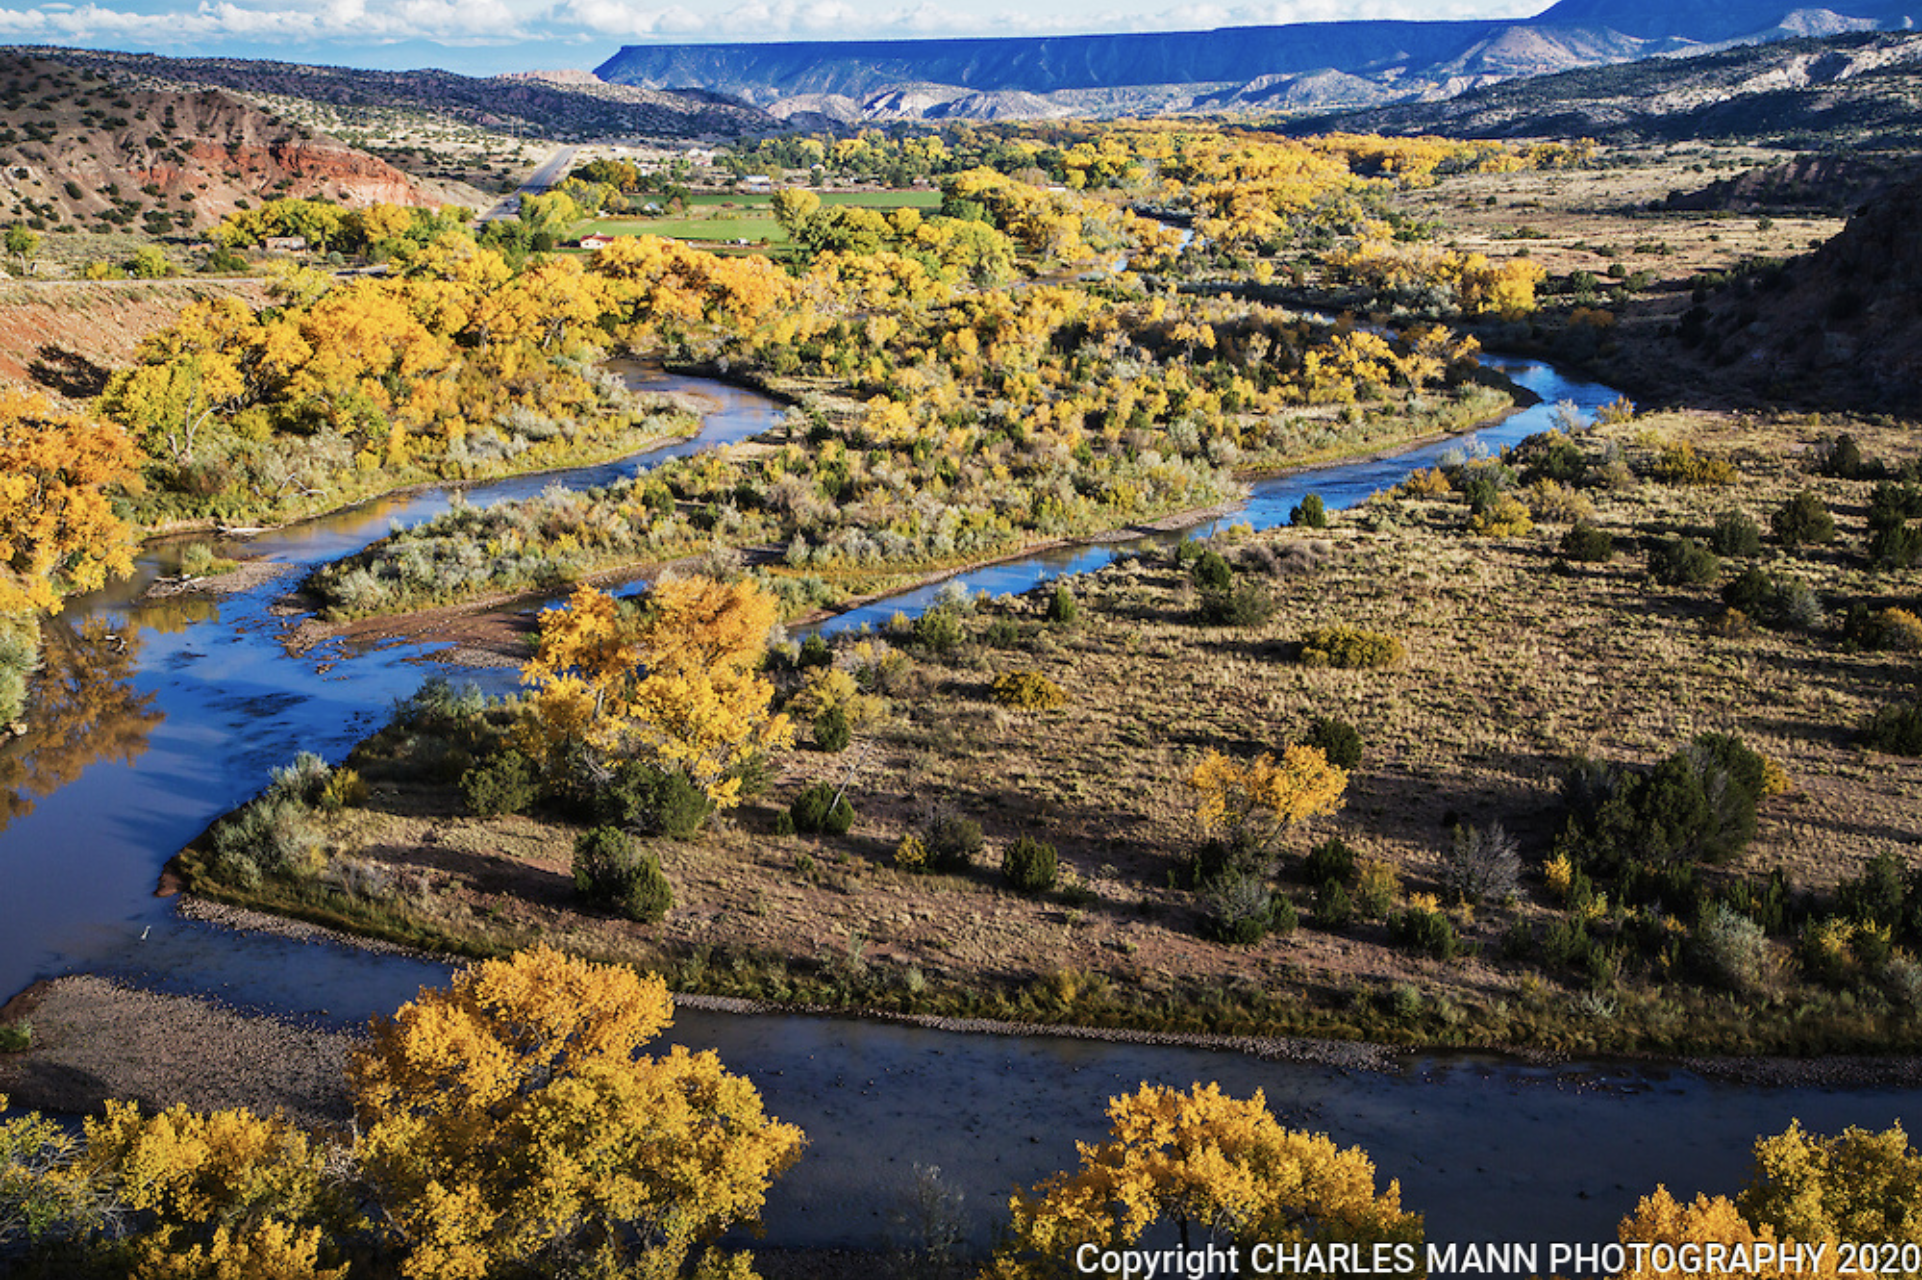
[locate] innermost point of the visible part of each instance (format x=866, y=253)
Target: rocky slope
x=86, y=149
x=1840, y=327
x=1858, y=89
x=543, y=105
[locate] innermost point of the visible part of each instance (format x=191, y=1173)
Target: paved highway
x=551, y=171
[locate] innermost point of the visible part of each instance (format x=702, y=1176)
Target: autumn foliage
x=58, y=528
x=674, y=683
x=1256, y=799
x=1215, y=1167
x=511, y=1120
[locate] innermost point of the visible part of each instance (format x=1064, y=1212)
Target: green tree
x=22, y=242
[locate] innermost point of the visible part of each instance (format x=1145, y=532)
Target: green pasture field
x=725, y=216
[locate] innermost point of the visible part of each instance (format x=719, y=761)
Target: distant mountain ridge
x=1319, y=64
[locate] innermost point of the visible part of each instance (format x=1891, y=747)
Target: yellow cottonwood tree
x=1257, y=799
x=676, y=683
x=510, y=1120
x=1209, y=1164
x=226, y=1195
x=58, y=528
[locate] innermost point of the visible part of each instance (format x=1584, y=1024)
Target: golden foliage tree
x=1859, y=1187
x=1255, y=800
x=511, y=1120
x=222, y=1195
x=1207, y=1163
x=675, y=683
x=58, y=528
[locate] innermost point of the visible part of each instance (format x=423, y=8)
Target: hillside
x=531, y=106
x=1857, y=90
x=83, y=149
x=1841, y=326
x=1302, y=66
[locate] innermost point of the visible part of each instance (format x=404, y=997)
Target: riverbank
x=1514, y=663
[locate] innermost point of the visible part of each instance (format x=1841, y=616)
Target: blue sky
x=486, y=36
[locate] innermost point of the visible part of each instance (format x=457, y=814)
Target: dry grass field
x=1515, y=663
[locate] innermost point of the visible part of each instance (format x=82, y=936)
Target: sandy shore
x=94, y=1039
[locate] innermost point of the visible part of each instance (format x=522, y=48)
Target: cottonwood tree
x=59, y=531
x=1210, y=1165
x=511, y=1121
x=674, y=683
x=1249, y=803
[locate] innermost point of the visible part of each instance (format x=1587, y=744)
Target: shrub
x=650, y=895
x=1681, y=562
x=344, y=788
x=1550, y=456
x=1063, y=608
x=1029, y=690
x=1376, y=888
x=1211, y=572
x=1432, y=483
x=1735, y=534
x=1349, y=647
x=1585, y=542
x=1896, y=729
x=272, y=836
x=1330, y=862
x=1730, y=949
x=301, y=781
x=1239, y=910
x=1245, y=604
x=1502, y=517
x=814, y=653
x=1337, y=740
x=831, y=731
x=911, y=853
x=1802, y=519
x=16, y=1037
x=1030, y=865
x=1566, y=944
x=654, y=801
x=1429, y=932
x=1482, y=863
x=1893, y=629
x=1876, y=896
x=1779, y=602
x=1839, y=456
x=609, y=871
x=1680, y=464
x=1333, y=908
x=952, y=841
x=1895, y=546
x=505, y=784
x=1309, y=513
x=939, y=631
x=816, y=811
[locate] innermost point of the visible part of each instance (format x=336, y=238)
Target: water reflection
x=83, y=708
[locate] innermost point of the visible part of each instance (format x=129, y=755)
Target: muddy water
x=159, y=717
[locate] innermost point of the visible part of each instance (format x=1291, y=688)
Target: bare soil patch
x=95, y=1039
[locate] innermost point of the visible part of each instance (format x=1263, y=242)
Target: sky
x=484, y=37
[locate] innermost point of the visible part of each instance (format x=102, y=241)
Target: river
x=158, y=717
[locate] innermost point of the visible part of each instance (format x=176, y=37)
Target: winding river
x=157, y=717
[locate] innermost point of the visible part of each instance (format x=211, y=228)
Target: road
x=550, y=172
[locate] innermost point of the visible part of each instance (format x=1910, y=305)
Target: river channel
x=160, y=716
